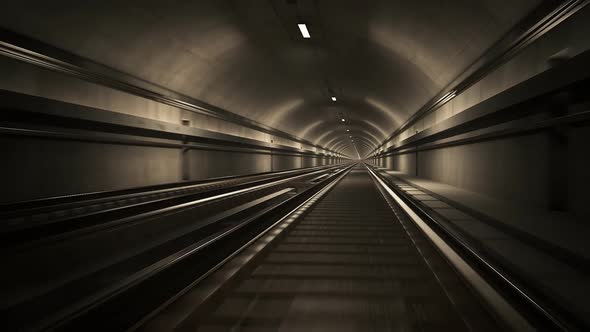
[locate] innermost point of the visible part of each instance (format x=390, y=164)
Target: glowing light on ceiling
x=304, y=31
x=343, y=120
x=333, y=98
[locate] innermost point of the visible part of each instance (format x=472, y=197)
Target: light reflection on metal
x=445, y=99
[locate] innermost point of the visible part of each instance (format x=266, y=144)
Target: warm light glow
x=347, y=129
x=333, y=98
x=343, y=120
x=304, y=31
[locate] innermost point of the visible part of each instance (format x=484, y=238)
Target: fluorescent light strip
x=304, y=31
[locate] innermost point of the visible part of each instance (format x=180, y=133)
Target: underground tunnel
x=295, y=165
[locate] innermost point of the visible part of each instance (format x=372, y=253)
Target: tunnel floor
x=348, y=265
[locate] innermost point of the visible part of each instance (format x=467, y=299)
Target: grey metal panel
x=282, y=162
x=405, y=163
x=309, y=161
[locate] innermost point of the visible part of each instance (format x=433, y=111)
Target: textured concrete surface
x=382, y=59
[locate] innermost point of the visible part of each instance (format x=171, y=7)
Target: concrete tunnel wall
x=568, y=39
x=514, y=169
x=38, y=167
x=73, y=167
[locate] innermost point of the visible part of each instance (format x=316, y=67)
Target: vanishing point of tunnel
x=295, y=165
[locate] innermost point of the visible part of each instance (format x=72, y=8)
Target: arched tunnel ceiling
x=382, y=59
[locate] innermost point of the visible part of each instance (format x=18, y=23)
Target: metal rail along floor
x=348, y=264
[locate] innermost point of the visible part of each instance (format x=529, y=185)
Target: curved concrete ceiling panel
x=382, y=60
x=356, y=129
x=362, y=135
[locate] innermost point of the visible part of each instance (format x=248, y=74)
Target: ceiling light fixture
x=343, y=120
x=333, y=98
x=304, y=31
x=347, y=130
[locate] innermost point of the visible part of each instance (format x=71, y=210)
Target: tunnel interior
x=150, y=146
